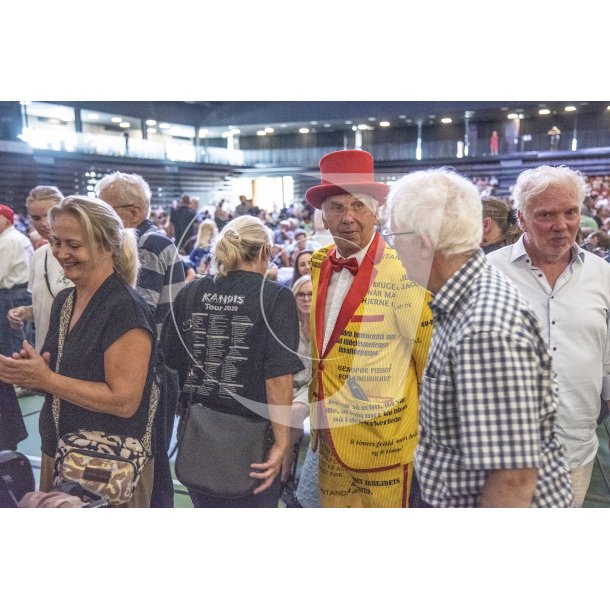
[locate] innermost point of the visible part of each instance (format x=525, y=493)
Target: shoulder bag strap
x=186, y=327
x=152, y=409
x=46, y=274
x=64, y=323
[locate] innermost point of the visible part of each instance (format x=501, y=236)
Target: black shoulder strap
x=46, y=273
x=189, y=308
x=186, y=327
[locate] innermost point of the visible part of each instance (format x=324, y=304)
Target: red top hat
x=346, y=172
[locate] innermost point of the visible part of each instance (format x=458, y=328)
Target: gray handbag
x=215, y=450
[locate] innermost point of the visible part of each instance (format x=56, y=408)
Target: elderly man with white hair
x=487, y=434
x=569, y=290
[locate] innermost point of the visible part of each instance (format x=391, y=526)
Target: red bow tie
x=351, y=264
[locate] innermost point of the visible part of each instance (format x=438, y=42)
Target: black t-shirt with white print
x=245, y=330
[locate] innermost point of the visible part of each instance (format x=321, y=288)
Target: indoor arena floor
x=598, y=495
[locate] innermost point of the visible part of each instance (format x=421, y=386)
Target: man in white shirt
x=15, y=253
x=569, y=290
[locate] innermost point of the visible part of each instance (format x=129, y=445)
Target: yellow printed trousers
x=344, y=488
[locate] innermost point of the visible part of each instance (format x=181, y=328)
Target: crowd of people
x=123, y=316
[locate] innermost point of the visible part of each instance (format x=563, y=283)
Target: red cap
x=7, y=212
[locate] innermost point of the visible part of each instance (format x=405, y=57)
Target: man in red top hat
x=372, y=328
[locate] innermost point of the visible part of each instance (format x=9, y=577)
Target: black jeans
x=163, y=485
x=11, y=340
x=266, y=499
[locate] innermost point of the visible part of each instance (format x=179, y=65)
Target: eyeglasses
x=357, y=208
x=304, y=296
x=389, y=237
x=128, y=205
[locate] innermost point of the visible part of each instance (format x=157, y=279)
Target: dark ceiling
x=250, y=116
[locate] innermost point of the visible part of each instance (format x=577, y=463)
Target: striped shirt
x=488, y=400
x=161, y=273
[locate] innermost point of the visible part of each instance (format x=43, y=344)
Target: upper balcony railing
x=405, y=151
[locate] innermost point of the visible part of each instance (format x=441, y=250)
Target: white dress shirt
x=338, y=286
x=575, y=320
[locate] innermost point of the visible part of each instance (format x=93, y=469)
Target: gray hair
x=440, y=204
x=125, y=189
x=532, y=182
x=299, y=282
x=103, y=227
x=240, y=241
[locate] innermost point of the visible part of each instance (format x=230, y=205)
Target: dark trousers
x=267, y=499
x=12, y=426
x=11, y=340
x=163, y=485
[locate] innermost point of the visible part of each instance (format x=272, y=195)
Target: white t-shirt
x=15, y=255
x=42, y=299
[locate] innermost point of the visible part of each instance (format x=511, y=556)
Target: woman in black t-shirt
x=105, y=376
x=245, y=335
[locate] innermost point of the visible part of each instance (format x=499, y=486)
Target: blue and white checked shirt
x=488, y=401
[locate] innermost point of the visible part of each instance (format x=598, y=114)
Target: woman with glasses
x=302, y=290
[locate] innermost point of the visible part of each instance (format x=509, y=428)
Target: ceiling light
x=269, y=130
x=313, y=122
x=402, y=116
x=570, y=108
x=303, y=130
x=151, y=130
x=446, y=120
x=384, y=124
x=354, y=128
x=363, y=126
x=372, y=118
x=512, y=115
x=261, y=132
x=348, y=122
x=326, y=124
x=151, y=122
x=93, y=117
x=124, y=124
x=164, y=125
x=116, y=119
x=544, y=111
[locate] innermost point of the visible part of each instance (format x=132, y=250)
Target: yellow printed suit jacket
x=365, y=386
